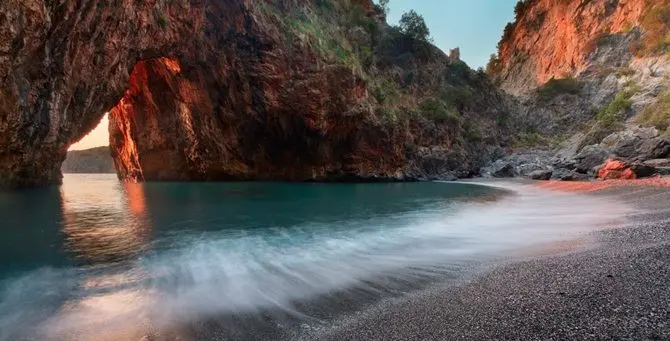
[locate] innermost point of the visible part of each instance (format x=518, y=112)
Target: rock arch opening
x=97, y=137
x=137, y=119
x=215, y=90
x=236, y=120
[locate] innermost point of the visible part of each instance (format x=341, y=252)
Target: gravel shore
x=617, y=290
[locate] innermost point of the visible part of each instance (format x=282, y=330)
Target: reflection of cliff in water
x=29, y=224
x=112, y=229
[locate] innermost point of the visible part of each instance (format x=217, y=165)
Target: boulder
x=642, y=170
x=654, y=148
x=637, y=144
x=541, y=174
x=622, y=144
x=616, y=169
x=590, y=157
x=658, y=163
x=563, y=174
x=662, y=166
x=503, y=170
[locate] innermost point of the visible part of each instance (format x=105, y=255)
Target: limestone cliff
x=586, y=74
x=569, y=60
x=236, y=89
x=556, y=38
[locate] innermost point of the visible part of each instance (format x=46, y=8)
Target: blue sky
x=473, y=25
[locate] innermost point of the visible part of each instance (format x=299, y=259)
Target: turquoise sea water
x=95, y=259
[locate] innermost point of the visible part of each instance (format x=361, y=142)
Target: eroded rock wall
x=555, y=38
x=585, y=74
x=211, y=90
x=63, y=64
x=179, y=123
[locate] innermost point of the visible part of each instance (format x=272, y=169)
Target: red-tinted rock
x=553, y=38
x=616, y=169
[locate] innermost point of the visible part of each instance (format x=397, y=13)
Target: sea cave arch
x=222, y=121
x=208, y=90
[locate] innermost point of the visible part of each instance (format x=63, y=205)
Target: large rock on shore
x=637, y=144
x=541, y=174
x=518, y=164
x=622, y=170
x=616, y=169
x=590, y=157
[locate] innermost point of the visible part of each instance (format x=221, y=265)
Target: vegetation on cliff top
x=413, y=25
x=655, y=22
x=391, y=60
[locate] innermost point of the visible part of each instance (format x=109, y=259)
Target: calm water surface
x=95, y=259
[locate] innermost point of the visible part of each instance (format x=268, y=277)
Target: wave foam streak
x=248, y=272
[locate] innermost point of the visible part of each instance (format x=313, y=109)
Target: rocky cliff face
x=210, y=90
x=571, y=63
x=94, y=160
x=586, y=75
x=555, y=38
x=64, y=63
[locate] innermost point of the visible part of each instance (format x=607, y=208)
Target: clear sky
x=98, y=137
x=473, y=25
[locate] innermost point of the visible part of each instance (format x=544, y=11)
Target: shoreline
x=418, y=303
x=616, y=289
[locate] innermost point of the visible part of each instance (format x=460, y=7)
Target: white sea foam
x=245, y=272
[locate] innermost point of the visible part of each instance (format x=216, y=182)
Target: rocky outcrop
x=522, y=163
x=576, y=63
x=90, y=161
x=637, y=144
x=635, y=152
x=212, y=90
x=588, y=159
x=582, y=73
x=555, y=38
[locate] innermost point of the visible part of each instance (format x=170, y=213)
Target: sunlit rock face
x=218, y=90
x=183, y=123
x=64, y=63
x=248, y=118
x=554, y=38
x=256, y=105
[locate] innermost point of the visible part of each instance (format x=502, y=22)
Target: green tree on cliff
x=384, y=6
x=413, y=25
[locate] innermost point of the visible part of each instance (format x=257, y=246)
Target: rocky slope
x=94, y=160
x=590, y=78
x=211, y=90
